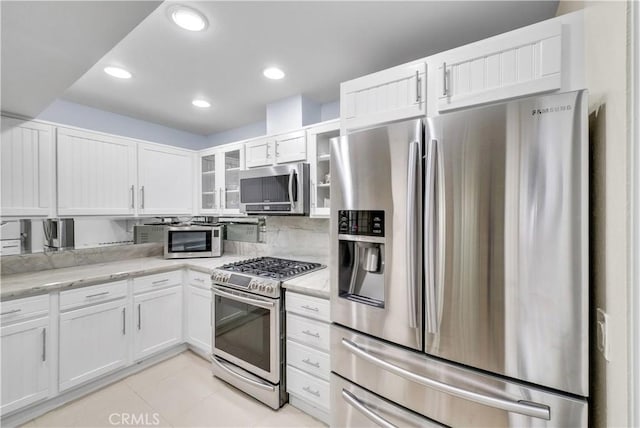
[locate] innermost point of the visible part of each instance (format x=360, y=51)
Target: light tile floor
x=179, y=392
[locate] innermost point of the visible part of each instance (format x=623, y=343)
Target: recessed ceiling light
x=198, y=102
x=273, y=73
x=118, y=72
x=188, y=18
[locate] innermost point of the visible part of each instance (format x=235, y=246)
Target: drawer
x=19, y=309
x=308, y=359
x=94, y=294
x=308, y=306
x=10, y=247
x=200, y=279
x=312, y=389
x=308, y=331
x=157, y=281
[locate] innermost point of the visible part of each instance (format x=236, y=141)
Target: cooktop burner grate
x=271, y=267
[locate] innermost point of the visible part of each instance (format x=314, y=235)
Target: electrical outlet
x=602, y=333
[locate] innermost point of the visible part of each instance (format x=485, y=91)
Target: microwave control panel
x=359, y=222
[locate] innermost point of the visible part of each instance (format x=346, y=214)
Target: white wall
x=73, y=114
x=330, y=110
x=606, y=74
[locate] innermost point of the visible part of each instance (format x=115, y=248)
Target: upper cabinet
x=318, y=137
x=96, y=173
x=220, y=179
x=283, y=148
x=543, y=57
x=385, y=96
x=28, y=177
x=165, y=180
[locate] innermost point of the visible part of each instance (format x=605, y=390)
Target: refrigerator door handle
x=431, y=307
x=522, y=407
x=412, y=185
x=360, y=406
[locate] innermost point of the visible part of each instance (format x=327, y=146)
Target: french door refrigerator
x=459, y=281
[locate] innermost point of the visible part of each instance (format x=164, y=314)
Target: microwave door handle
x=292, y=174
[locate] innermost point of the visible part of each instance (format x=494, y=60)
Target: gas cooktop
x=262, y=275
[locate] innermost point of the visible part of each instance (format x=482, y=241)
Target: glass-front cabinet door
x=208, y=194
x=220, y=174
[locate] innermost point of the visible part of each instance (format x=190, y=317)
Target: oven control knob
x=269, y=289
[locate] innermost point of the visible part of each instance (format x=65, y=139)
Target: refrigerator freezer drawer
x=448, y=393
x=352, y=406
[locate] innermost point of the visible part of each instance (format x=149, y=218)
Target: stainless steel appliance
x=148, y=233
x=248, y=321
x=190, y=241
x=281, y=189
x=59, y=234
x=491, y=311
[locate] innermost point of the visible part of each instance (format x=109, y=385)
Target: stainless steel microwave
x=181, y=242
x=281, y=190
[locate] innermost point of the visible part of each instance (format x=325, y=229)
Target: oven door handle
x=265, y=386
x=247, y=300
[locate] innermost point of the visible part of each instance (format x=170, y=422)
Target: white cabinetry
x=220, y=179
x=165, y=180
x=308, y=361
x=25, y=352
x=93, y=336
x=26, y=152
x=96, y=173
x=318, y=137
x=283, y=148
x=198, y=297
x=388, y=95
x=157, y=313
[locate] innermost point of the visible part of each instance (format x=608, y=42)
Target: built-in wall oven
x=248, y=325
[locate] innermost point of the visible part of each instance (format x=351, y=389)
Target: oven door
x=246, y=331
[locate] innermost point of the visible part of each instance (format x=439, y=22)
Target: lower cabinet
x=198, y=312
x=157, y=320
x=308, y=360
x=93, y=342
x=25, y=361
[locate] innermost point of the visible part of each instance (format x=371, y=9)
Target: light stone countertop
x=42, y=282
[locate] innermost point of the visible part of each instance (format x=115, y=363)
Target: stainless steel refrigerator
x=459, y=280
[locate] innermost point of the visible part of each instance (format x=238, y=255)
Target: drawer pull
x=308, y=333
x=162, y=281
x=10, y=246
x=198, y=279
x=308, y=361
x=15, y=311
x=309, y=308
x=311, y=391
x=104, y=293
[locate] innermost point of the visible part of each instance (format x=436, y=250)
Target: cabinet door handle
x=15, y=311
x=132, y=192
x=311, y=391
x=308, y=361
x=142, y=197
x=417, y=86
x=220, y=198
x=124, y=321
x=308, y=333
x=44, y=344
x=268, y=151
x=444, y=79
x=162, y=281
x=139, y=317
x=309, y=308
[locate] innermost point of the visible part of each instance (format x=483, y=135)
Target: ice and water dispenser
x=361, y=256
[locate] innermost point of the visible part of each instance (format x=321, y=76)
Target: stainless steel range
x=248, y=320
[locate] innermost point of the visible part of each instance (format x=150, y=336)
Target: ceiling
x=317, y=44
x=47, y=45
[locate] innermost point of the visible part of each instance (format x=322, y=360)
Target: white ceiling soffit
x=317, y=44
x=47, y=45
